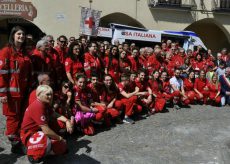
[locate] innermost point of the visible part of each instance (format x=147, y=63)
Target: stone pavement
x=196, y=135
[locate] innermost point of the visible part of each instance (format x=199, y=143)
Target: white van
x=125, y=33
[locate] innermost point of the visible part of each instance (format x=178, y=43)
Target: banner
x=90, y=20
x=149, y=36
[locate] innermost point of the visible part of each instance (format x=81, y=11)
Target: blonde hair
x=43, y=88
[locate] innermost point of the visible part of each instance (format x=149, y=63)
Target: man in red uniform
x=200, y=87
x=129, y=99
x=133, y=59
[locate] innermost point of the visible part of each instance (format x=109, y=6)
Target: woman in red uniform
x=198, y=63
x=109, y=97
x=189, y=87
x=214, y=91
x=200, y=87
x=112, y=64
x=37, y=135
x=12, y=67
x=124, y=63
x=83, y=110
x=92, y=62
x=73, y=62
x=156, y=86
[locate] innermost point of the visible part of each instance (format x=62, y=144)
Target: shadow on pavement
x=1, y=149
x=72, y=157
x=8, y=158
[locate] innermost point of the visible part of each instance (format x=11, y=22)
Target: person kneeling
x=39, y=139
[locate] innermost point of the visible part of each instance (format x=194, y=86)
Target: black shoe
x=18, y=148
x=32, y=160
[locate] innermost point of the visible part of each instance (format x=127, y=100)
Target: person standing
x=11, y=65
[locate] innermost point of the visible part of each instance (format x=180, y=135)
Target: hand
x=94, y=110
x=69, y=94
x=69, y=127
x=201, y=95
x=3, y=99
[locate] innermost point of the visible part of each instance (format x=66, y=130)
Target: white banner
x=90, y=20
x=104, y=32
x=151, y=36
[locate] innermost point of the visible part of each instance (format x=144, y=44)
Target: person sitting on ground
x=36, y=134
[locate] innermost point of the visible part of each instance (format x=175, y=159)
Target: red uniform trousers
x=159, y=104
x=214, y=100
x=39, y=145
x=178, y=97
x=115, y=111
x=101, y=112
x=191, y=96
x=11, y=110
x=131, y=106
x=205, y=96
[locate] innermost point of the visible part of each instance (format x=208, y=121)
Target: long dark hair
x=11, y=38
x=111, y=56
x=70, y=52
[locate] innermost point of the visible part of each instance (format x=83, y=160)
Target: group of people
x=47, y=91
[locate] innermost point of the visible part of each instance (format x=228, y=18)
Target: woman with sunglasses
x=62, y=104
x=74, y=61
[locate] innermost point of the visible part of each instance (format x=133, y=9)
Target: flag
x=89, y=21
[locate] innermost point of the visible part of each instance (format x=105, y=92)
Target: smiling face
x=81, y=82
x=108, y=81
x=19, y=37
x=46, y=97
x=76, y=50
x=65, y=88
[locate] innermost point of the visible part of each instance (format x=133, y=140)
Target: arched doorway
x=212, y=33
x=6, y=24
x=119, y=18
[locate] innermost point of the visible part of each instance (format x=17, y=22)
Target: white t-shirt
x=176, y=82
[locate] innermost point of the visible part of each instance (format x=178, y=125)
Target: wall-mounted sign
x=18, y=8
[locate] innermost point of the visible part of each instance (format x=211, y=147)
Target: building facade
x=210, y=19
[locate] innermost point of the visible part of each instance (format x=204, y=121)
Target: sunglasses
x=66, y=86
x=62, y=41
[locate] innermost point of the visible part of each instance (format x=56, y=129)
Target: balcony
x=172, y=4
x=221, y=5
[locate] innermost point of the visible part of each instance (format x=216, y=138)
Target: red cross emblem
x=35, y=136
x=90, y=22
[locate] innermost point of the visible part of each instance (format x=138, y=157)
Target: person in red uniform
x=92, y=62
x=154, y=61
x=200, y=87
x=109, y=97
x=62, y=104
x=198, y=63
x=73, y=62
x=214, y=90
x=43, y=79
x=133, y=59
x=61, y=48
x=12, y=64
x=166, y=88
x=179, y=58
x=83, y=111
x=112, y=64
x=124, y=62
x=143, y=58
x=128, y=99
x=96, y=89
x=145, y=92
x=36, y=134
x=156, y=87
x=189, y=87
x=41, y=61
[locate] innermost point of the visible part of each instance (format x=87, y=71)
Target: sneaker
x=128, y=120
x=18, y=148
x=177, y=107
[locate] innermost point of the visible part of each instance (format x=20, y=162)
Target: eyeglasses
x=66, y=86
